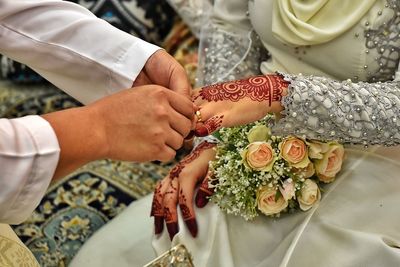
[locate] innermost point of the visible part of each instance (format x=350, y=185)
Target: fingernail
x=159, y=224
x=201, y=131
x=192, y=226
x=173, y=229
x=201, y=199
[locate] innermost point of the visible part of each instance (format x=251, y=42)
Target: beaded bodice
x=348, y=89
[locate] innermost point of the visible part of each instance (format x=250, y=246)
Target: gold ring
x=198, y=115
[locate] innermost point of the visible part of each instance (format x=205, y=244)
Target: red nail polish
x=201, y=131
x=192, y=226
x=201, y=199
x=173, y=229
x=159, y=224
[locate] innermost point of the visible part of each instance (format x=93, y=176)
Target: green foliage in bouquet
x=256, y=172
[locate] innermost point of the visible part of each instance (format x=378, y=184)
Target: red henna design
x=258, y=88
x=156, y=206
x=196, y=152
x=213, y=123
x=167, y=215
x=174, y=173
x=205, y=187
x=186, y=214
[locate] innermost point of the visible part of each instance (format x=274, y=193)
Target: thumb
x=179, y=82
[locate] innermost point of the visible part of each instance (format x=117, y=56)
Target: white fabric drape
x=355, y=224
x=310, y=22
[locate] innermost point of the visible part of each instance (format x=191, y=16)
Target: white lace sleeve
x=229, y=48
x=193, y=12
x=357, y=113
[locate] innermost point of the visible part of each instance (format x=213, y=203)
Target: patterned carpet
x=75, y=206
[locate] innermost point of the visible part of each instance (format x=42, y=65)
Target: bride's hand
x=179, y=186
x=237, y=102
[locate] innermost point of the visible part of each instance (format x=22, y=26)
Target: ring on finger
x=198, y=115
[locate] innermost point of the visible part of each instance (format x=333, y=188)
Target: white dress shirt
x=79, y=53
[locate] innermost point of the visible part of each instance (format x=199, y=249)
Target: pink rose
x=331, y=163
x=259, y=156
x=287, y=189
x=294, y=151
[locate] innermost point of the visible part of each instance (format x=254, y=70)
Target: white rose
x=309, y=195
x=331, y=163
x=258, y=134
x=316, y=150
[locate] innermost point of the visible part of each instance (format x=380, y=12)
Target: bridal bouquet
x=259, y=173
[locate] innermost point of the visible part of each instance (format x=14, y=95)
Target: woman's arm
x=325, y=109
x=314, y=107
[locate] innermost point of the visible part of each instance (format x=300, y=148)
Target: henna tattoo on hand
x=197, y=151
x=258, y=88
x=157, y=207
x=213, y=124
x=186, y=214
x=168, y=215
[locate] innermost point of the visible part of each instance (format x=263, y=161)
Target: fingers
x=209, y=126
x=141, y=79
x=180, y=123
x=157, y=210
x=174, y=140
x=166, y=154
x=204, y=192
x=181, y=104
x=186, y=192
x=179, y=81
x=170, y=202
x=163, y=69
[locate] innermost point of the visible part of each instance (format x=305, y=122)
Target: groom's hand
x=145, y=123
x=142, y=124
x=162, y=69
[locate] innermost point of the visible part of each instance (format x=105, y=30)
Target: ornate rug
x=75, y=206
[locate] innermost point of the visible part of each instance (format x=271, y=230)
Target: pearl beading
x=357, y=113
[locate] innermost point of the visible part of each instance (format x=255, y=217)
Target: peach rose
x=266, y=202
x=259, y=156
x=295, y=152
x=316, y=150
x=309, y=195
x=287, y=189
x=331, y=163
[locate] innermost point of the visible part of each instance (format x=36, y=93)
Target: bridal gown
x=356, y=223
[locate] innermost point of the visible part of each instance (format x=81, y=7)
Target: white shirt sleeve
x=29, y=153
x=84, y=56
x=81, y=54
